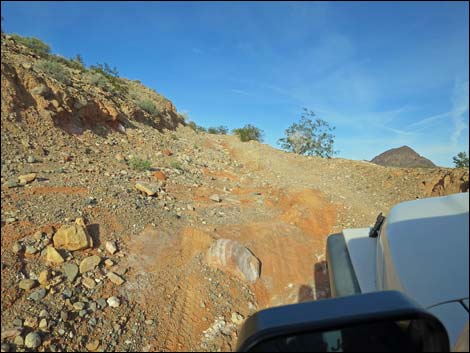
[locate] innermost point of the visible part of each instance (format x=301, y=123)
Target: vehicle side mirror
x=373, y=322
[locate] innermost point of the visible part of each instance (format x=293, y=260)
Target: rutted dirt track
x=285, y=228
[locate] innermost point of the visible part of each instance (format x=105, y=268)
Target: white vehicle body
x=422, y=250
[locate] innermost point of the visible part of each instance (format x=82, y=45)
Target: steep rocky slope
x=404, y=157
x=101, y=251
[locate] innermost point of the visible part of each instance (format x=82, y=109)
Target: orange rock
x=159, y=175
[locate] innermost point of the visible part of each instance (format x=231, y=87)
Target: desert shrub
x=139, y=164
x=248, y=133
x=36, y=45
x=148, y=105
x=218, y=130
x=135, y=95
x=111, y=74
x=72, y=63
x=98, y=80
x=183, y=116
x=196, y=127
x=106, y=70
x=176, y=165
x=192, y=125
x=56, y=70
x=308, y=137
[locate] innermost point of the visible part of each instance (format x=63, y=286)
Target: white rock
x=232, y=256
x=111, y=247
x=113, y=302
x=32, y=340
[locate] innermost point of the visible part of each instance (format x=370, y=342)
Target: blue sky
x=385, y=74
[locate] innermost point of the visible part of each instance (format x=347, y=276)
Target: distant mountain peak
x=404, y=157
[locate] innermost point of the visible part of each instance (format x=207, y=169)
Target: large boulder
x=231, y=256
x=73, y=237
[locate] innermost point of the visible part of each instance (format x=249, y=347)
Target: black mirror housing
x=379, y=321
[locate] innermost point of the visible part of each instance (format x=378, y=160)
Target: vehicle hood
x=423, y=250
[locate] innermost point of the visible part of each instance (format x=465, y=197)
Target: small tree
x=79, y=59
x=311, y=138
x=461, y=160
x=105, y=69
x=248, y=133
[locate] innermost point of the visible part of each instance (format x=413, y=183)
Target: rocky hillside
x=124, y=230
x=404, y=157
x=41, y=92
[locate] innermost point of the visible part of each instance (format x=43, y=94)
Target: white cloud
x=426, y=121
x=459, y=108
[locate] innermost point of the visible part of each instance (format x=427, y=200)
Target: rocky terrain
x=404, y=157
x=128, y=231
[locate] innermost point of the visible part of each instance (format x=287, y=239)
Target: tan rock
x=109, y=263
x=53, y=256
x=13, y=332
x=43, y=324
x=43, y=277
x=89, y=263
x=237, y=318
x=92, y=346
x=28, y=284
x=115, y=278
x=27, y=178
x=88, y=283
x=111, y=247
x=73, y=237
x=149, y=189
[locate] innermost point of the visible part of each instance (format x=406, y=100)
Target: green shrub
x=176, y=165
x=97, y=79
x=248, y=133
x=135, y=96
x=106, y=70
x=148, y=106
x=36, y=45
x=139, y=164
x=196, y=127
x=111, y=74
x=218, y=130
x=183, y=116
x=72, y=63
x=56, y=70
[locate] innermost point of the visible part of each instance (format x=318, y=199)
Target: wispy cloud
x=401, y=132
x=459, y=108
x=426, y=121
x=239, y=91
